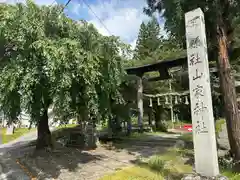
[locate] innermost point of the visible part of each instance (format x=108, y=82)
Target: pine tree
x=148, y=39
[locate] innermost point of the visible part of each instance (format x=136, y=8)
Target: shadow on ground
x=62, y=163
x=69, y=163
x=43, y=164
x=144, y=146
x=50, y=165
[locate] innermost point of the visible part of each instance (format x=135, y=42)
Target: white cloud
x=118, y=17
x=121, y=17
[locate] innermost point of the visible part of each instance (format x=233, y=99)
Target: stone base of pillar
x=91, y=139
x=195, y=176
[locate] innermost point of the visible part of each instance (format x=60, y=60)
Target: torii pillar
x=140, y=103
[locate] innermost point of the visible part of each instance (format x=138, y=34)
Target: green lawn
x=21, y=131
x=187, y=137
x=18, y=132
x=158, y=167
x=170, y=165
x=67, y=126
x=133, y=173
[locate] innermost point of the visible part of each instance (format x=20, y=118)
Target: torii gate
x=163, y=68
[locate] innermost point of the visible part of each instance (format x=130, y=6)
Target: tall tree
x=219, y=16
x=148, y=40
x=48, y=59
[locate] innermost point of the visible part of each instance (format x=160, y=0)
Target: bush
x=162, y=126
x=156, y=163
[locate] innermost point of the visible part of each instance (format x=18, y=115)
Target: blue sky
x=121, y=17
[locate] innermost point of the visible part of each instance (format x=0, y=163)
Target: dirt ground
x=72, y=163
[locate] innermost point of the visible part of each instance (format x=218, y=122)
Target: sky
x=118, y=17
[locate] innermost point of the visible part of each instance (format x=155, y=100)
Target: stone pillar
x=205, y=151
x=140, y=103
x=90, y=136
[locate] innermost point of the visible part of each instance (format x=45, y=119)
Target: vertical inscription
x=194, y=58
x=200, y=94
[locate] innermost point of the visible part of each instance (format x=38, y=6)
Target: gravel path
x=71, y=163
x=9, y=169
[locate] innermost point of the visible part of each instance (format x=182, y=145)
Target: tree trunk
x=129, y=126
x=110, y=127
x=44, y=135
x=118, y=125
x=229, y=94
x=81, y=121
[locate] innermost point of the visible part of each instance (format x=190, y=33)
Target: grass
x=134, y=173
x=21, y=131
x=186, y=137
x=142, y=136
x=138, y=136
x=169, y=165
x=226, y=172
x=17, y=133
x=231, y=175
x=66, y=126
x=62, y=129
